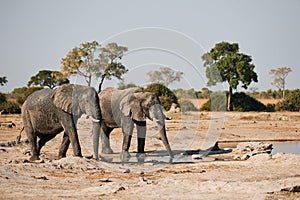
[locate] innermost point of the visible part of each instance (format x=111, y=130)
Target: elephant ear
x=63, y=98
x=131, y=105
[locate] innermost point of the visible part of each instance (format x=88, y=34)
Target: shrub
x=3, y=98
x=240, y=102
x=165, y=95
x=291, y=102
x=10, y=107
x=243, y=102
x=216, y=102
x=187, y=105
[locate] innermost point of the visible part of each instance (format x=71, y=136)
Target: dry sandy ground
x=220, y=176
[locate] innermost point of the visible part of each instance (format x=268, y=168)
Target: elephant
x=47, y=112
x=123, y=109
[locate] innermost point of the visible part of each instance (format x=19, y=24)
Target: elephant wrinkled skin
x=124, y=108
x=48, y=112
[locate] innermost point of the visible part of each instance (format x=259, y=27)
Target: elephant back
x=110, y=99
x=38, y=100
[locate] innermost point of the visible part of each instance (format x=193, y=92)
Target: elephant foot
x=34, y=158
x=124, y=156
x=107, y=151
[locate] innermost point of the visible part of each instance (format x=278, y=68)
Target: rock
x=197, y=156
x=292, y=189
x=126, y=171
x=245, y=157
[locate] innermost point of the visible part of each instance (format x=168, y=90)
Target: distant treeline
x=248, y=101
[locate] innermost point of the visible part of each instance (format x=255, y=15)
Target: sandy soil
x=227, y=174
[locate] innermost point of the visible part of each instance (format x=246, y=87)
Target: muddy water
x=286, y=147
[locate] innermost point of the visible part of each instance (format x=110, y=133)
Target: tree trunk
x=100, y=84
x=283, y=89
x=229, y=100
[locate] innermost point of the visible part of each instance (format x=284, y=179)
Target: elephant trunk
x=165, y=140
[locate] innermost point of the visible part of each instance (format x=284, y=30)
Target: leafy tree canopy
x=47, y=78
x=89, y=60
x=3, y=81
x=224, y=63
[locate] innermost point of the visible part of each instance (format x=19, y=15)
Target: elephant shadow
x=162, y=156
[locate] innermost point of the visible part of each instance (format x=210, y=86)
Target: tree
x=48, y=78
x=110, y=57
x=81, y=60
x=89, y=60
x=3, y=81
x=165, y=76
x=279, y=75
x=122, y=85
x=224, y=63
x=165, y=95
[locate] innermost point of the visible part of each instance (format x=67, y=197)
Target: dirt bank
x=218, y=176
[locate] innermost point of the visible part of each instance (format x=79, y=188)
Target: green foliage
x=224, y=63
x=3, y=81
x=3, y=98
x=186, y=94
x=186, y=105
x=10, y=107
x=48, y=78
x=165, y=95
x=89, y=60
x=290, y=103
x=20, y=90
x=123, y=86
x=243, y=103
x=216, y=102
x=240, y=102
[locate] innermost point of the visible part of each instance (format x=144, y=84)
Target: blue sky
x=36, y=34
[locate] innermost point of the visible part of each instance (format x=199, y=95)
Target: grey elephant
x=124, y=108
x=47, y=112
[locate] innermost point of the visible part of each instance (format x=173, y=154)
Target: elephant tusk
x=94, y=120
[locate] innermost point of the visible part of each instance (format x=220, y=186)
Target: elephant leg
x=141, y=133
x=62, y=153
x=127, y=128
x=42, y=141
x=105, y=133
x=32, y=137
x=70, y=130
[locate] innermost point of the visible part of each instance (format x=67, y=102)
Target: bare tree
x=165, y=76
x=279, y=75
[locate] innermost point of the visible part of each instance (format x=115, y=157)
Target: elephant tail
x=18, y=139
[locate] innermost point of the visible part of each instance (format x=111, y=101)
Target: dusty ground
x=220, y=176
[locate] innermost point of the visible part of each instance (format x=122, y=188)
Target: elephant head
x=142, y=105
x=77, y=100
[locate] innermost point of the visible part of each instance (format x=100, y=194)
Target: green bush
x=243, y=102
x=165, y=95
x=3, y=98
x=216, y=102
x=187, y=105
x=10, y=107
x=290, y=103
x=240, y=102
